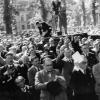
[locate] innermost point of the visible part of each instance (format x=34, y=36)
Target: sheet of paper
x=77, y=57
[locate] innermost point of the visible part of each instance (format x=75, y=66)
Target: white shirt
x=67, y=59
x=77, y=68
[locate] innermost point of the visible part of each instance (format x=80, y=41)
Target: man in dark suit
x=33, y=69
x=44, y=29
x=66, y=63
x=31, y=75
x=8, y=73
x=82, y=82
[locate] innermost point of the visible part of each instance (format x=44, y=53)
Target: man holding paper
x=82, y=81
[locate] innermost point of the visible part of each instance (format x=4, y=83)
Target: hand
x=44, y=33
x=60, y=78
x=9, y=72
x=45, y=84
x=5, y=73
x=53, y=78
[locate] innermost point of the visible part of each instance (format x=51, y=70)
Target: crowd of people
x=47, y=70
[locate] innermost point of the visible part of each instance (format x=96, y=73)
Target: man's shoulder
x=32, y=68
x=40, y=73
x=97, y=66
x=63, y=46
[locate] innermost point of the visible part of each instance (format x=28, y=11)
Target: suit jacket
x=31, y=77
x=2, y=62
x=23, y=72
x=81, y=83
x=7, y=83
x=31, y=74
x=66, y=68
x=96, y=73
x=40, y=79
x=27, y=94
x=91, y=58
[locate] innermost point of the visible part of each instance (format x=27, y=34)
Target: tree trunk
x=7, y=16
x=84, y=13
x=44, y=11
x=94, y=12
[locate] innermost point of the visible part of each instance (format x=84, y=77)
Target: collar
x=86, y=54
x=77, y=68
x=10, y=65
x=81, y=70
x=95, y=49
x=66, y=59
x=53, y=70
x=37, y=68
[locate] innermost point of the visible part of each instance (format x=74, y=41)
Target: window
x=28, y=26
x=33, y=26
x=23, y=27
x=22, y=18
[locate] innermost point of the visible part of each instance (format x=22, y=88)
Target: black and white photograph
x=49, y=49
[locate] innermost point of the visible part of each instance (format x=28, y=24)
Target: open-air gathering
x=49, y=49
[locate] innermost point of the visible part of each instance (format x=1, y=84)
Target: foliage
x=77, y=12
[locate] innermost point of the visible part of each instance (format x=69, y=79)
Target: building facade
x=25, y=14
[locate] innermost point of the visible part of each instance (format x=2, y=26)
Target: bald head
x=47, y=59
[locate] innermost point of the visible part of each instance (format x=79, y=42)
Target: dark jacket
x=83, y=86
x=31, y=77
x=91, y=59
x=8, y=86
x=66, y=68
